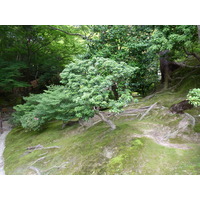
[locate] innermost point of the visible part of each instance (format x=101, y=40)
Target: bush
x=194, y=96
x=42, y=108
x=88, y=87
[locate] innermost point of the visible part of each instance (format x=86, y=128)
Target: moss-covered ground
x=85, y=152
x=98, y=150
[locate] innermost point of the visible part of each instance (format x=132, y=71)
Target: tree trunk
x=109, y=122
x=166, y=68
x=114, y=89
x=166, y=80
x=198, y=26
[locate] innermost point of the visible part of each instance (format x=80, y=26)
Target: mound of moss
x=96, y=151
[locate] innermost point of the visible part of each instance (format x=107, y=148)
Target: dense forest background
x=32, y=57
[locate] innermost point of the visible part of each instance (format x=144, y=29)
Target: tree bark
x=198, y=27
x=109, y=122
x=114, y=89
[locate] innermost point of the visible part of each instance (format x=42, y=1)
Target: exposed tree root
x=105, y=115
x=191, y=118
x=56, y=167
x=162, y=142
x=109, y=122
x=40, y=147
x=149, y=109
x=39, y=159
x=35, y=169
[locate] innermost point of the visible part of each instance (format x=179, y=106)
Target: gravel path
x=6, y=130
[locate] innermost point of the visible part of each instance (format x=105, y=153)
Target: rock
x=180, y=107
x=108, y=153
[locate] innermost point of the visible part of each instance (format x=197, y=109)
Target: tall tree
x=37, y=52
x=174, y=44
x=128, y=44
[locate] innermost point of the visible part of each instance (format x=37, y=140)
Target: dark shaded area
x=166, y=67
x=180, y=107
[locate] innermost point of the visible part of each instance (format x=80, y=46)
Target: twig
x=150, y=108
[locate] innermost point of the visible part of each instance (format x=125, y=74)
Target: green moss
x=137, y=142
x=116, y=164
x=83, y=152
x=177, y=140
x=197, y=128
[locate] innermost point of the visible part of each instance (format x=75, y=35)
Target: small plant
x=194, y=96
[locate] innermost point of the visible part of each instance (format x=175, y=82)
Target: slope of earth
x=160, y=143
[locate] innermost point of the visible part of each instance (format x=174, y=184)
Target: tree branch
x=74, y=34
x=109, y=122
x=184, y=65
x=191, y=54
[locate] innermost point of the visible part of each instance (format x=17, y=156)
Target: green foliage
x=129, y=44
x=35, y=52
x=140, y=46
x=10, y=72
x=87, y=89
x=99, y=82
x=194, y=96
x=90, y=83
x=53, y=104
x=176, y=38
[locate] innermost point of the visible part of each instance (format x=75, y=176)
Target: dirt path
x=6, y=130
